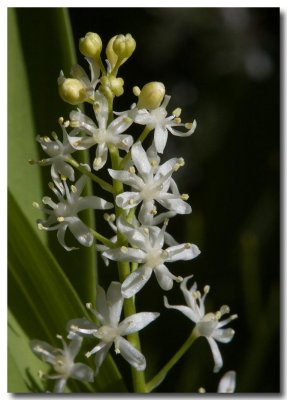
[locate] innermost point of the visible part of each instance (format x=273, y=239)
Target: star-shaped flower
x=149, y=185
x=110, y=330
x=62, y=361
x=157, y=119
x=103, y=135
x=148, y=250
x=207, y=325
x=64, y=214
x=58, y=152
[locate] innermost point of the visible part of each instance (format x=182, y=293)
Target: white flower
x=110, y=330
x=157, y=119
x=148, y=250
x=149, y=185
x=103, y=135
x=207, y=325
x=57, y=152
x=62, y=361
x=64, y=214
x=227, y=383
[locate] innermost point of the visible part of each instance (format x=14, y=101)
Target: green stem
x=159, y=377
x=141, y=138
x=103, y=239
x=104, y=185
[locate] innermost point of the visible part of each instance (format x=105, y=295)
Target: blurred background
x=221, y=65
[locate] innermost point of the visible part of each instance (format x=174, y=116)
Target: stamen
x=66, y=123
x=75, y=124
x=46, y=200
x=63, y=177
x=153, y=163
x=88, y=354
x=61, y=120
x=136, y=91
x=117, y=350
x=201, y=390
x=46, y=139
x=146, y=231
x=184, y=196
x=51, y=185
x=206, y=289
x=60, y=219
x=187, y=245
x=74, y=328
x=131, y=202
x=89, y=306
x=59, y=337
x=179, y=279
x=127, y=120
x=124, y=249
x=74, y=189
x=41, y=374
x=97, y=161
x=177, y=120
x=40, y=226
x=188, y=125
x=132, y=170
x=97, y=107
x=35, y=204
x=153, y=211
x=32, y=162
x=176, y=112
x=54, y=135
x=224, y=310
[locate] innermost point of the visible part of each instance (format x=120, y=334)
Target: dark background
x=222, y=67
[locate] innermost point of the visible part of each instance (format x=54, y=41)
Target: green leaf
x=40, y=295
x=23, y=365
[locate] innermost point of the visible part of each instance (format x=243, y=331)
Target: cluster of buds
x=144, y=195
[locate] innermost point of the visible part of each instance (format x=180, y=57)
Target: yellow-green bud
x=151, y=95
x=120, y=48
x=91, y=45
x=117, y=85
x=72, y=91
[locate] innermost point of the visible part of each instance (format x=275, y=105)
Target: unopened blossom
x=148, y=185
x=157, y=119
x=148, y=250
x=109, y=330
x=62, y=361
x=58, y=152
x=64, y=213
x=207, y=324
x=103, y=135
x=80, y=87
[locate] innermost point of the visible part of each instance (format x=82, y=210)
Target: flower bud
x=151, y=95
x=72, y=91
x=120, y=48
x=112, y=85
x=91, y=45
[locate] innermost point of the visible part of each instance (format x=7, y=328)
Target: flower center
x=101, y=136
x=62, y=365
x=64, y=209
x=155, y=257
x=207, y=325
x=107, y=333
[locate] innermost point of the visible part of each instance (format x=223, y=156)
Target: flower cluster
x=143, y=194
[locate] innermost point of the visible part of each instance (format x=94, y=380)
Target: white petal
x=173, y=203
x=166, y=169
x=86, y=327
x=145, y=216
x=227, y=383
x=125, y=142
x=160, y=138
x=135, y=237
x=136, y=322
x=135, y=281
x=126, y=254
x=101, y=305
x=119, y=125
x=100, y=356
x=94, y=202
x=82, y=372
x=187, y=311
x=75, y=346
x=218, y=362
x=128, y=200
x=101, y=156
x=164, y=277
x=180, y=252
x=140, y=159
x=127, y=178
x=223, y=335
x=60, y=385
x=81, y=232
x=130, y=354
x=115, y=302
x=61, y=236
x=102, y=114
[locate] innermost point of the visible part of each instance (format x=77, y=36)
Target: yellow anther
x=124, y=249
x=31, y=162
x=59, y=337
x=89, y=306
x=188, y=125
x=184, y=196
x=177, y=120
x=97, y=107
x=127, y=120
x=224, y=309
x=60, y=219
x=66, y=124
x=153, y=211
x=132, y=170
x=74, y=328
x=187, y=245
x=153, y=163
x=136, y=91
x=63, y=177
x=35, y=204
x=201, y=390
x=179, y=279
x=46, y=139
x=51, y=185
x=181, y=161
x=46, y=200
x=117, y=350
x=40, y=226
x=88, y=354
x=74, y=123
x=97, y=162
x=41, y=374
x=234, y=316
x=54, y=135
x=61, y=120
x=218, y=315
x=74, y=189
x=146, y=231
x=166, y=221
x=131, y=202
x=206, y=289
x=176, y=112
